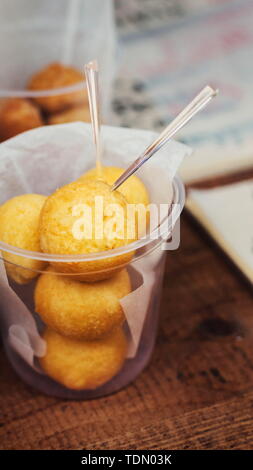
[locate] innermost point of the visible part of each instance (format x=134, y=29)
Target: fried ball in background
x=18, y=115
x=53, y=76
x=80, y=113
x=19, y=227
x=62, y=216
x=81, y=310
x=80, y=365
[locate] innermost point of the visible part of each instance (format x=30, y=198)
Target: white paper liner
x=135, y=304
x=18, y=323
x=67, y=151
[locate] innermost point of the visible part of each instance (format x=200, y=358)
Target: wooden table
x=197, y=392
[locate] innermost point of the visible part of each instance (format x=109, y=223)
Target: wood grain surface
x=196, y=393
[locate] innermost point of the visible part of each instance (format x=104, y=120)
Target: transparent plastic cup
x=148, y=258
x=36, y=163
x=34, y=34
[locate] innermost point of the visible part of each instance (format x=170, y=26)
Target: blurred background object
x=226, y=213
x=168, y=51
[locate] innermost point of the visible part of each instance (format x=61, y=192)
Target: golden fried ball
x=19, y=227
x=133, y=190
x=80, y=113
x=81, y=310
x=57, y=75
x=71, y=223
x=81, y=365
x=18, y=115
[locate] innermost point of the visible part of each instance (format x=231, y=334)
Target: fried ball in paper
x=80, y=113
x=83, y=365
x=81, y=310
x=83, y=218
x=18, y=115
x=53, y=76
x=133, y=190
x=19, y=227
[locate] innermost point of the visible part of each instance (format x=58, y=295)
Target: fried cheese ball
x=81, y=310
x=19, y=227
x=81, y=365
x=133, y=190
x=18, y=115
x=57, y=75
x=80, y=113
x=83, y=218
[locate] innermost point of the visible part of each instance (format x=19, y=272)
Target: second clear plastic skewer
x=198, y=103
x=91, y=73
